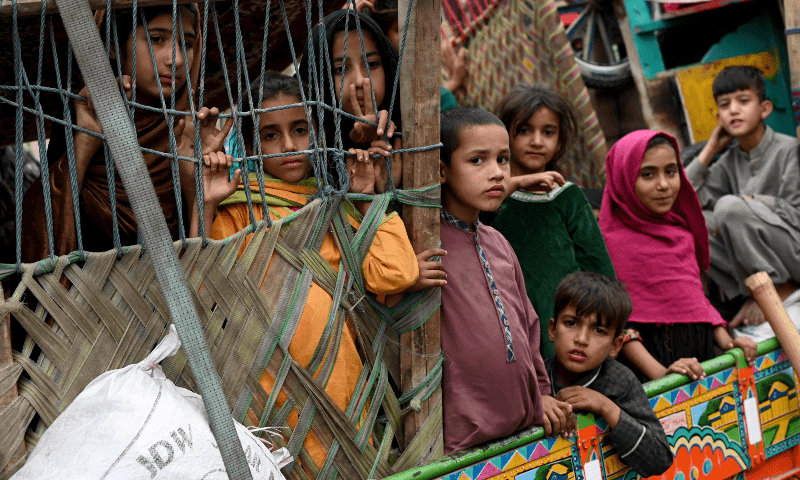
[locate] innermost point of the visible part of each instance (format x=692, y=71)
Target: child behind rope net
x=355, y=82
x=389, y=267
x=154, y=28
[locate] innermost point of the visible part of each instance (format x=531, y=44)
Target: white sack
x=134, y=423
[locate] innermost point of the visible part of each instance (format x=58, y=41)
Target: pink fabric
x=657, y=256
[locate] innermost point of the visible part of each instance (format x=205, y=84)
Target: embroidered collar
x=458, y=223
x=530, y=197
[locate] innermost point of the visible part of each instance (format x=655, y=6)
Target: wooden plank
x=420, y=81
x=34, y=7
x=655, y=95
x=792, y=18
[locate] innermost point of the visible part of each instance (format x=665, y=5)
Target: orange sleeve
x=391, y=264
x=231, y=218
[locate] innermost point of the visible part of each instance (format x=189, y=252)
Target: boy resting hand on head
x=494, y=380
x=750, y=197
x=590, y=312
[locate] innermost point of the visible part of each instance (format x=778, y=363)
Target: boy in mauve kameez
x=495, y=382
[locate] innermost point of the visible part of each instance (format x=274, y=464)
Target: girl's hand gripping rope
x=382, y=147
x=84, y=109
x=362, y=176
x=212, y=139
x=363, y=133
x=85, y=144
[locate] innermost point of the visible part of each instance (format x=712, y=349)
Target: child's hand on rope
x=382, y=147
x=540, y=182
x=217, y=187
x=362, y=176
x=84, y=109
x=212, y=139
x=363, y=133
x=431, y=273
x=362, y=172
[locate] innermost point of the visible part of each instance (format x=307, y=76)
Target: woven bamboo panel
x=113, y=313
x=523, y=41
x=252, y=15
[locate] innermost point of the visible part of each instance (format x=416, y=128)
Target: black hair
x=123, y=20
x=455, y=121
x=591, y=292
x=331, y=25
x=275, y=84
x=386, y=19
x=658, y=140
x=525, y=100
x=739, y=77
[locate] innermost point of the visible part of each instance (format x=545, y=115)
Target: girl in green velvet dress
x=547, y=220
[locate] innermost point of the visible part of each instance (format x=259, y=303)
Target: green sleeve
x=590, y=248
x=448, y=100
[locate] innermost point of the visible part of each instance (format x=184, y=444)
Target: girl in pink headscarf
x=658, y=242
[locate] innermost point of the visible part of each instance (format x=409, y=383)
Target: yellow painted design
x=726, y=413
x=561, y=443
x=516, y=460
x=662, y=404
x=694, y=84
x=557, y=456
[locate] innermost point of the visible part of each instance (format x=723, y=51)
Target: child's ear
x=551, y=329
x=616, y=346
x=766, y=109
x=442, y=168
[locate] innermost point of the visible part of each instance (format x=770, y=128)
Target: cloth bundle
x=134, y=423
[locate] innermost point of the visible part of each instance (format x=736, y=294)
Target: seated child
x=657, y=238
x=490, y=332
x=389, y=267
x=750, y=196
x=550, y=225
x=590, y=313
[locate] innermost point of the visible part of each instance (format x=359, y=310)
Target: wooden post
x=763, y=291
x=792, y=20
x=654, y=94
x=420, y=82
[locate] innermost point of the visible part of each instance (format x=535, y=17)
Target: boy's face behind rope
x=160, y=32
